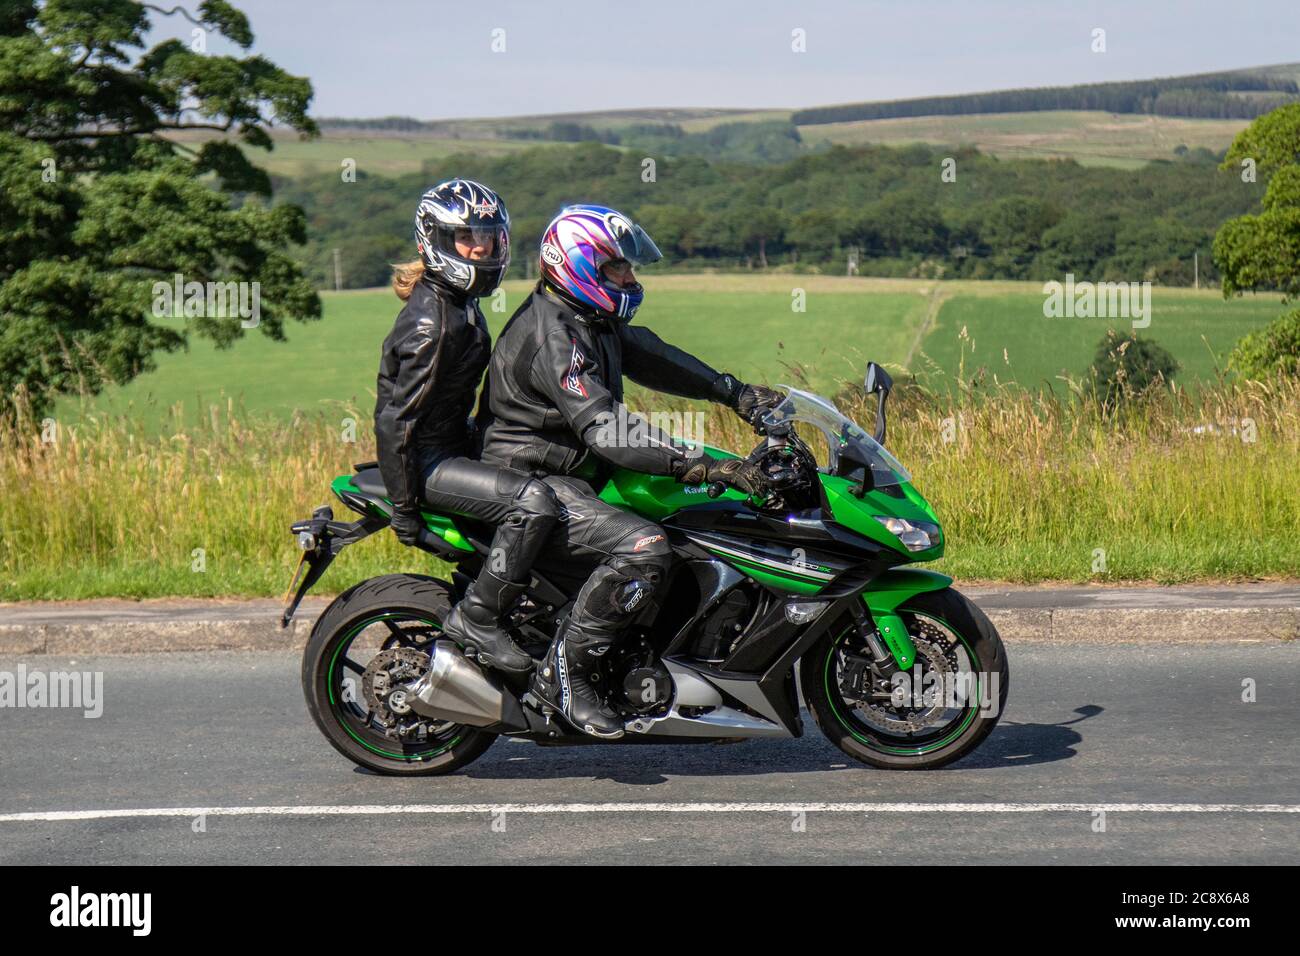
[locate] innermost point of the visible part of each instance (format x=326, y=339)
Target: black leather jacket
x=556, y=378
x=431, y=365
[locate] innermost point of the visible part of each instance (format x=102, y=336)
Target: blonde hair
x=405, y=276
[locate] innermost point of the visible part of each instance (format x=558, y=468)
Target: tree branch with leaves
x=97, y=201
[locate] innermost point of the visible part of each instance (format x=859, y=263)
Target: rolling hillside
x=1092, y=136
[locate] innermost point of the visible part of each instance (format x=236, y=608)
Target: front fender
x=886, y=593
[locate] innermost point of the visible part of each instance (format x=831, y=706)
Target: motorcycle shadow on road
x=1022, y=744
x=1010, y=745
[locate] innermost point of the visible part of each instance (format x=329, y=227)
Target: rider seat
x=369, y=481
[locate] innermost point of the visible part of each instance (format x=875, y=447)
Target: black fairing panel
x=806, y=529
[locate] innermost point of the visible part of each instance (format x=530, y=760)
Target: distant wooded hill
x=1231, y=95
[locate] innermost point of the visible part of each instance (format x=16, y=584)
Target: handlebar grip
x=716, y=489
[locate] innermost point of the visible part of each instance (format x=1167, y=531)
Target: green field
x=375, y=154
x=738, y=323
x=330, y=365
x=1008, y=335
x=1126, y=141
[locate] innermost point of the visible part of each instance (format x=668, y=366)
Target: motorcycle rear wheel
x=392, y=612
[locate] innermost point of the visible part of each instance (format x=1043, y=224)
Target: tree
x=814, y=233
x=904, y=222
x=1079, y=244
x=1262, y=252
x=754, y=226
x=1270, y=350
x=1126, y=366
x=1159, y=250
x=671, y=227
x=1012, y=230
x=97, y=204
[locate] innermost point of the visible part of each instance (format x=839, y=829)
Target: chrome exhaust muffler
x=455, y=689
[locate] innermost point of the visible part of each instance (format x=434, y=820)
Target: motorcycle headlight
x=915, y=535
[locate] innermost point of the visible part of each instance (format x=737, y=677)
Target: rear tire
x=976, y=639
x=422, y=603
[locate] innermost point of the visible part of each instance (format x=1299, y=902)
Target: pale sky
x=434, y=60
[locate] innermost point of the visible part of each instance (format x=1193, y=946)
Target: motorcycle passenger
x=554, y=396
x=431, y=365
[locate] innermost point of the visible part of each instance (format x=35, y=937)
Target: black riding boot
x=476, y=620
x=476, y=624
x=563, y=679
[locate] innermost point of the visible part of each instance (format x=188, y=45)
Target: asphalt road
x=1085, y=725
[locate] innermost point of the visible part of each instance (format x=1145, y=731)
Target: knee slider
x=623, y=591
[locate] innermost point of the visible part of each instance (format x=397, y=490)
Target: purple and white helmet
x=578, y=242
x=479, y=215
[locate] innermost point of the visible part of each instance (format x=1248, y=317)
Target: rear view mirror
x=877, y=380
x=878, y=383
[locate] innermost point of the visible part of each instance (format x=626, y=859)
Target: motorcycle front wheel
x=937, y=713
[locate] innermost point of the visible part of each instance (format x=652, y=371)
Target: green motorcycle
x=805, y=595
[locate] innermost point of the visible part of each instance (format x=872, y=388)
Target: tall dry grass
x=1029, y=487
x=1180, y=486
x=115, y=506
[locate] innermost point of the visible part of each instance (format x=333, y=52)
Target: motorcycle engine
x=647, y=689
x=717, y=633
x=646, y=686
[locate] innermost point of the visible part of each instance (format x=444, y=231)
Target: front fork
x=886, y=637
x=890, y=644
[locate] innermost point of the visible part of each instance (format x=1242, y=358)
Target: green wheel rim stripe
x=329, y=683
x=904, y=751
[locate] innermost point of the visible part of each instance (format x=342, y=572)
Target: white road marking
x=55, y=816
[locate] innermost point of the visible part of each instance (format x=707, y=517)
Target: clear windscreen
x=847, y=446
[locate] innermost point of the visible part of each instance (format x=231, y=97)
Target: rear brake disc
x=386, y=671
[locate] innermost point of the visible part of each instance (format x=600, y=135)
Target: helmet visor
x=476, y=244
x=637, y=247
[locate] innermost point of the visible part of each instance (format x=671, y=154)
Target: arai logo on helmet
x=551, y=255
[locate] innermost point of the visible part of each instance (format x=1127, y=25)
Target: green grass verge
x=1192, y=487
x=135, y=501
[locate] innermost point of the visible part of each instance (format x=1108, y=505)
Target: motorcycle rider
x=430, y=368
x=554, y=398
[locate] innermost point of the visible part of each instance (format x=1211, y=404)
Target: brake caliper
x=385, y=674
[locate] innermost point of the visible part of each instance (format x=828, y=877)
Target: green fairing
x=657, y=496
x=886, y=594
x=858, y=514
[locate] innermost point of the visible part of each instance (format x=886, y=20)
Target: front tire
x=958, y=637
x=400, y=615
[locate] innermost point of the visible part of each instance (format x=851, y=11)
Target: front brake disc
x=905, y=719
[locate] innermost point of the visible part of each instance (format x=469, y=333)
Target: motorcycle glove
x=407, y=525
x=734, y=472
x=754, y=400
